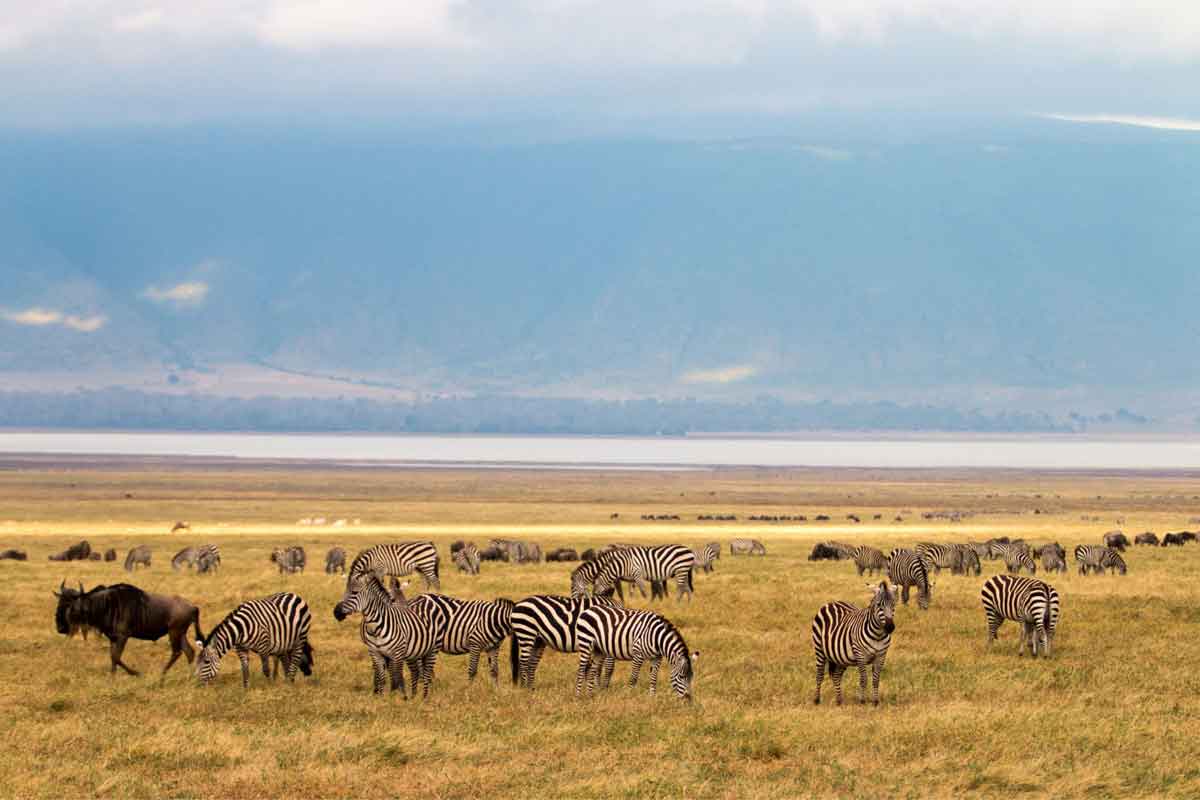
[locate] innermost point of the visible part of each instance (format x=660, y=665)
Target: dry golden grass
x=1112, y=714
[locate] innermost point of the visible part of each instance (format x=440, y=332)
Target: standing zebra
x=208, y=559
x=1029, y=601
x=938, y=556
x=543, y=620
x=869, y=559
x=905, y=569
x=705, y=556
x=274, y=626
x=401, y=558
x=473, y=627
x=744, y=547
x=467, y=559
x=1097, y=558
x=845, y=636
x=624, y=634
x=1016, y=555
x=137, y=555
x=1053, y=558
x=395, y=634
x=640, y=564
x=289, y=559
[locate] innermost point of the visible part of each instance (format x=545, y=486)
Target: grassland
x=1114, y=713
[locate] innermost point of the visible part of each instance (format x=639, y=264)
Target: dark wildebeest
x=1116, y=540
x=823, y=552
x=562, y=554
x=335, y=560
x=1187, y=536
x=110, y=554
x=1146, y=538
x=588, y=555
x=137, y=555
x=456, y=546
x=123, y=612
x=1172, y=539
x=15, y=555
x=76, y=552
x=491, y=554
x=180, y=526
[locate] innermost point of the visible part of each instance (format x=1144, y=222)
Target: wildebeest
x=180, y=526
x=1146, y=538
x=289, y=559
x=457, y=545
x=335, y=560
x=1172, y=539
x=823, y=552
x=14, y=555
x=76, y=552
x=562, y=554
x=588, y=555
x=124, y=612
x=491, y=554
x=137, y=555
x=110, y=554
x=95, y=556
x=1116, y=540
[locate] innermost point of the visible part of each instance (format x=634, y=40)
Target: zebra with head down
x=1097, y=558
x=906, y=569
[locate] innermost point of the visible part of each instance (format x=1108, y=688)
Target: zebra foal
x=845, y=636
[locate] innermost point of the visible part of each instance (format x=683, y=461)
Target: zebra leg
x=427, y=664
x=395, y=668
x=1027, y=634
x=493, y=656
x=836, y=671
x=266, y=665
x=473, y=661
x=637, y=668
x=378, y=668
x=535, y=658
x=654, y=665
x=862, y=684
x=641, y=586
x=904, y=594
x=876, y=672
x=585, y=667
x=820, y=680
x=606, y=671
x=994, y=623
x=291, y=662
x=244, y=657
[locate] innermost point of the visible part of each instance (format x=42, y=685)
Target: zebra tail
x=514, y=656
x=690, y=586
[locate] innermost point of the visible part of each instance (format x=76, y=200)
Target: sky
x=597, y=64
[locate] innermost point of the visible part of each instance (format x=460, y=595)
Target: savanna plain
x=1112, y=713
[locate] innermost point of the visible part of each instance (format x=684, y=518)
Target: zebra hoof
x=816, y=701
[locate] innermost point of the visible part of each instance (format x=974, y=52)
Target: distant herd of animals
x=591, y=622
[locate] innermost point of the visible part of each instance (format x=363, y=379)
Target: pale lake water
x=579, y=452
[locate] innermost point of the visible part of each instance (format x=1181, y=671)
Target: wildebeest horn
x=62, y=586
x=81, y=587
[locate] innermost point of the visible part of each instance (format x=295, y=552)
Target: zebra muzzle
x=889, y=626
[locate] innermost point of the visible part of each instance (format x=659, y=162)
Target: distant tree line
x=137, y=410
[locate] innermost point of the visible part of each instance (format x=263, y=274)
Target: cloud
x=189, y=293
x=1158, y=123
x=827, y=153
x=43, y=317
x=721, y=374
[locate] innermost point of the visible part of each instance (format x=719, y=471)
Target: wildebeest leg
x=178, y=642
x=115, y=650
x=244, y=657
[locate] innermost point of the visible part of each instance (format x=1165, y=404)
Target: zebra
x=969, y=560
x=905, y=569
x=208, y=559
x=640, y=564
x=467, y=559
x=705, y=556
x=583, y=578
x=137, y=555
x=289, y=559
x=981, y=549
x=1031, y=602
x=543, y=620
x=273, y=626
x=395, y=634
x=938, y=556
x=1016, y=555
x=1053, y=558
x=845, y=636
x=626, y=634
x=335, y=560
x=472, y=627
x=869, y=559
x=747, y=547
x=184, y=558
x=1097, y=558
x=400, y=558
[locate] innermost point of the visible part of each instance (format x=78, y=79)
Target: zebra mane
x=221, y=627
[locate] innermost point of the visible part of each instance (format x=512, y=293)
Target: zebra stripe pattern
x=401, y=558
x=467, y=559
x=1029, y=601
x=623, y=634
x=274, y=626
x=939, y=556
x=395, y=634
x=473, y=627
x=1097, y=558
x=545, y=620
x=641, y=564
x=1053, y=558
x=208, y=559
x=1016, y=555
x=969, y=560
x=869, y=559
x=290, y=559
x=705, y=556
x=845, y=636
x=747, y=547
x=905, y=570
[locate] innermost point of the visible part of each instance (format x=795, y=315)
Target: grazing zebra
x=905, y=569
x=543, y=620
x=472, y=627
x=938, y=556
x=1052, y=559
x=705, y=556
x=1029, y=601
x=335, y=560
x=1097, y=558
x=845, y=636
x=184, y=558
x=583, y=578
x=467, y=559
x=624, y=634
x=401, y=558
x=208, y=559
x=747, y=547
x=137, y=555
x=869, y=559
x=640, y=564
x=981, y=549
x=395, y=634
x=274, y=626
x=1016, y=555
x=289, y=559
x=970, y=560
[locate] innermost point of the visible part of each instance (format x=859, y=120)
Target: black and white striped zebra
x=622, y=634
x=208, y=559
x=273, y=626
x=395, y=634
x=641, y=564
x=869, y=559
x=746, y=547
x=845, y=636
x=1098, y=558
x=543, y=621
x=473, y=627
x=939, y=556
x=184, y=558
x=705, y=556
x=1016, y=555
x=906, y=569
x=1053, y=558
x=401, y=558
x=335, y=560
x=969, y=560
x=467, y=559
x=1029, y=601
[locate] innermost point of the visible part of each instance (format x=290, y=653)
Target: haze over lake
x=1092, y=453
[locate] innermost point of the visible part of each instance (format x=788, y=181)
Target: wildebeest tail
x=514, y=657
